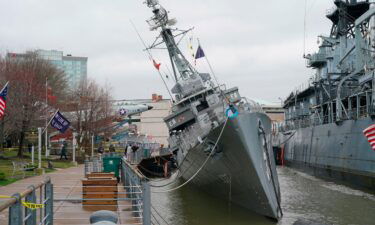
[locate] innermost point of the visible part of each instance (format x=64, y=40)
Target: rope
x=288, y=138
x=178, y=169
x=155, y=219
x=150, y=57
x=159, y=215
x=205, y=162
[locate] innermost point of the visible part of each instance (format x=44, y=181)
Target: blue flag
x=59, y=122
x=200, y=53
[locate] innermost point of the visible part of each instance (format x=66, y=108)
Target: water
x=305, y=201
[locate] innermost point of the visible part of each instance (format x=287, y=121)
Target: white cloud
x=256, y=45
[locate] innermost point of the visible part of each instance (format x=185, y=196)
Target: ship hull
x=238, y=170
x=338, y=151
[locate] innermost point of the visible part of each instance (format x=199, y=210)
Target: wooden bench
x=99, y=189
x=19, y=166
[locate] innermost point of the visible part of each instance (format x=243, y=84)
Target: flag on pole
x=200, y=53
x=369, y=132
x=157, y=65
x=59, y=122
x=3, y=97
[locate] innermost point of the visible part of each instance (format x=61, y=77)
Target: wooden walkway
x=68, y=207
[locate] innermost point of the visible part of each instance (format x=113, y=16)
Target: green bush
x=2, y=175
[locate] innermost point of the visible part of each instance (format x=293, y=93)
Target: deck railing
x=139, y=192
x=22, y=209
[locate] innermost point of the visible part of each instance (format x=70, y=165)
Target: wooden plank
x=98, y=174
x=94, y=195
x=99, y=189
x=98, y=202
x=102, y=182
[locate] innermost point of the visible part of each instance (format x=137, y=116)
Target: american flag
x=369, y=132
x=3, y=95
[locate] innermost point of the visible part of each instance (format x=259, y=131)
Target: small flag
x=369, y=132
x=157, y=65
x=200, y=53
x=3, y=97
x=59, y=122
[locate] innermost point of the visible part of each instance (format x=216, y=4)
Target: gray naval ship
x=325, y=120
x=227, y=157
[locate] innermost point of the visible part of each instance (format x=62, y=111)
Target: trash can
x=146, y=153
x=112, y=164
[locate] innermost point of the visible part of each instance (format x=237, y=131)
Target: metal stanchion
x=39, y=147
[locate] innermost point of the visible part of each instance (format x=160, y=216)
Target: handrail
x=22, y=206
x=23, y=194
x=141, y=198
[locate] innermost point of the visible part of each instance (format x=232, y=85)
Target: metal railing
x=315, y=120
x=20, y=205
x=93, y=164
x=139, y=192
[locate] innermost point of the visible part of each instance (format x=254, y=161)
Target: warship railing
x=138, y=189
x=31, y=207
x=314, y=121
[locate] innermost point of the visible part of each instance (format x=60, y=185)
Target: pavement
x=67, y=205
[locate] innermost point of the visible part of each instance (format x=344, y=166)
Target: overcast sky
x=255, y=45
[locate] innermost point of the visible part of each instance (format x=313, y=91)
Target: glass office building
x=74, y=67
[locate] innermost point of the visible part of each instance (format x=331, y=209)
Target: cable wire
x=205, y=162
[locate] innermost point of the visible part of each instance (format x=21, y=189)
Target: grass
x=10, y=155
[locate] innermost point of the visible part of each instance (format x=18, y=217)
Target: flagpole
x=46, y=134
x=2, y=123
x=50, y=120
x=6, y=84
x=209, y=65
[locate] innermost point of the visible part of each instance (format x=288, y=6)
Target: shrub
x=2, y=175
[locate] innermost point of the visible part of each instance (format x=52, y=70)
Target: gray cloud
x=256, y=45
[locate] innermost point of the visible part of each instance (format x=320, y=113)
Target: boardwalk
x=67, y=198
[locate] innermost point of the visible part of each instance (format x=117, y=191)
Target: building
x=151, y=122
x=275, y=112
x=74, y=67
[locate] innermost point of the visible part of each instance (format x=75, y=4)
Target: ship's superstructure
x=214, y=152
x=325, y=119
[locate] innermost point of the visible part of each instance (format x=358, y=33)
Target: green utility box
x=112, y=164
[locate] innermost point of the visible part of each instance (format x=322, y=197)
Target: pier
x=63, y=200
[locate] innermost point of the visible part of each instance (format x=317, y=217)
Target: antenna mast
x=189, y=80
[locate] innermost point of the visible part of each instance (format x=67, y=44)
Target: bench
x=19, y=166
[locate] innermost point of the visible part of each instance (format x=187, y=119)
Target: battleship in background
x=228, y=158
x=324, y=122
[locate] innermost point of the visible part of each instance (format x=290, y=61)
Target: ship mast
x=189, y=80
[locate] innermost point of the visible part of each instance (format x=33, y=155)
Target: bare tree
x=27, y=74
x=92, y=111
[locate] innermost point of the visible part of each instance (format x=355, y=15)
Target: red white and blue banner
x=369, y=132
x=3, y=99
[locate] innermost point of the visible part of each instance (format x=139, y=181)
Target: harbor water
x=306, y=200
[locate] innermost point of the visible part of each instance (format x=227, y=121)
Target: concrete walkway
x=68, y=208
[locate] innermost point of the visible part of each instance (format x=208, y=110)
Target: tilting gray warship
x=228, y=158
x=323, y=132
